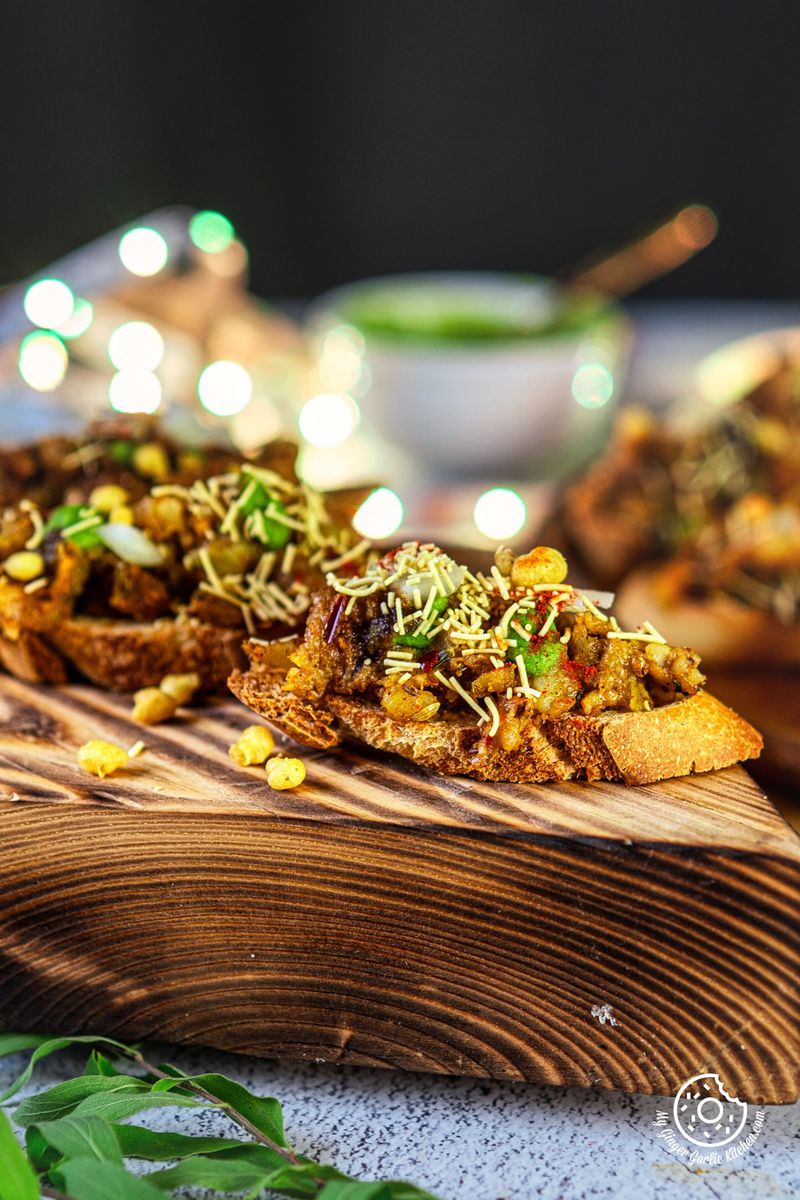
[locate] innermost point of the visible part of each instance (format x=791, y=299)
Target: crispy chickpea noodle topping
x=426, y=635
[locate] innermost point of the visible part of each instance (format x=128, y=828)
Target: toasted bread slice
x=310, y=724
x=30, y=658
x=172, y=582
x=125, y=655
x=691, y=735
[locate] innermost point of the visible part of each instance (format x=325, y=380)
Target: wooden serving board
x=383, y=916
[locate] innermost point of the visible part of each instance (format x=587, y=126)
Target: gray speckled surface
x=468, y=1139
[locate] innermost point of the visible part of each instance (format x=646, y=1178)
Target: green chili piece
x=71, y=514
x=417, y=641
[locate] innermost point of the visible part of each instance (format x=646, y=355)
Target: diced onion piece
x=452, y=577
x=598, y=599
x=131, y=544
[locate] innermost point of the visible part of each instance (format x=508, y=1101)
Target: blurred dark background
x=348, y=139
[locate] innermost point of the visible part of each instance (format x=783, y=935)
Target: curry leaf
x=12, y=1043
x=120, y=1105
x=98, y=1064
x=150, y=1144
x=74, y=1139
x=41, y=1154
x=352, y=1190
x=60, y=1100
x=87, y=1179
x=221, y=1175
x=82, y=1137
x=261, y=1111
x=17, y=1178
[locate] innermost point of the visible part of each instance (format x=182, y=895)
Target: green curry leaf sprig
x=77, y=1143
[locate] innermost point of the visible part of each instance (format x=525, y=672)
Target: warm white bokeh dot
x=143, y=251
x=225, y=388
x=134, y=392
x=340, y=361
x=48, y=303
x=328, y=419
x=592, y=385
x=43, y=361
x=136, y=346
x=500, y=513
x=380, y=515
x=79, y=320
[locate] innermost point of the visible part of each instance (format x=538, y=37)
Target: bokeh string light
x=43, y=361
x=135, y=392
x=136, y=345
x=48, y=303
x=340, y=360
x=225, y=388
x=380, y=515
x=211, y=232
x=79, y=322
x=143, y=251
x=328, y=419
x=592, y=385
x=500, y=513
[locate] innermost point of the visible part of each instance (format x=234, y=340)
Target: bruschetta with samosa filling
x=516, y=675
x=128, y=590
x=700, y=527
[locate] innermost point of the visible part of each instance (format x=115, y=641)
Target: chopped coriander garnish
x=63, y=517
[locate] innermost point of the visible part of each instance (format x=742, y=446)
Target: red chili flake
x=579, y=673
x=429, y=659
x=333, y=618
x=574, y=670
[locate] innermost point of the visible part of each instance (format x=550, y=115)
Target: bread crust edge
x=122, y=656
x=689, y=736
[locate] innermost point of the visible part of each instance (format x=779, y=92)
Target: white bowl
x=541, y=403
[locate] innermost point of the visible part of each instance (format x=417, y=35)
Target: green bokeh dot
x=211, y=232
